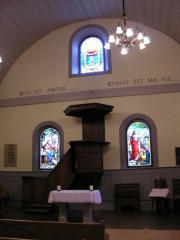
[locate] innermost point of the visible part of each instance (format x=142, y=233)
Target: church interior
x=89, y=119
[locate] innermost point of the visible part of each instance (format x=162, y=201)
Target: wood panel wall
x=145, y=177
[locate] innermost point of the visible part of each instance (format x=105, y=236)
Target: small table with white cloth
x=85, y=197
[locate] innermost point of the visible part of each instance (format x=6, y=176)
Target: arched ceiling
x=23, y=22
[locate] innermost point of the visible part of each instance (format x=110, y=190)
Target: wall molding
x=90, y=94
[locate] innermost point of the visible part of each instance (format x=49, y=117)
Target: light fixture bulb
x=129, y=32
x=117, y=41
x=140, y=36
x=146, y=40
x=119, y=30
x=0, y=59
x=111, y=39
x=107, y=45
x=141, y=45
x=124, y=51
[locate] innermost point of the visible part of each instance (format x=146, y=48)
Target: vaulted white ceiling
x=23, y=22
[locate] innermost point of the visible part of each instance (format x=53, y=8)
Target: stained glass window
x=91, y=55
x=139, y=145
x=49, y=148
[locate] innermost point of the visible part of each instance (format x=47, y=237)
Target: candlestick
x=91, y=188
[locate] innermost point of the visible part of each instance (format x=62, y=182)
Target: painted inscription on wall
x=143, y=81
x=42, y=91
x=109, y=84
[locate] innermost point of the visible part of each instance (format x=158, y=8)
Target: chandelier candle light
x=125, y=38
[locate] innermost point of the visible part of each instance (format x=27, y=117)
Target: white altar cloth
x=75, y=196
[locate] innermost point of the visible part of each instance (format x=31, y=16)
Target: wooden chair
x=160, y=183
x=176, y=194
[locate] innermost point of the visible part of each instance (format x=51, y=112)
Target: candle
x=59, y=187
x=91, y=188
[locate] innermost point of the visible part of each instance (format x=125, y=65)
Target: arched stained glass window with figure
x=139, y=144
x=49, y=148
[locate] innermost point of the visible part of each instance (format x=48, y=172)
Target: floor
x=147, y=234
x=112, y=219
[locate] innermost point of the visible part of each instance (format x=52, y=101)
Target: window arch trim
x=123, y=139
x=78, y=36
x=35, y=142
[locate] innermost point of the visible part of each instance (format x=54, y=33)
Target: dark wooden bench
x=25, y=229
x=127, y=196
x=176, y=194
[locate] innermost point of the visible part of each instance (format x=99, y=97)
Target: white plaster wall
x=17, y=125
x=45, y=65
